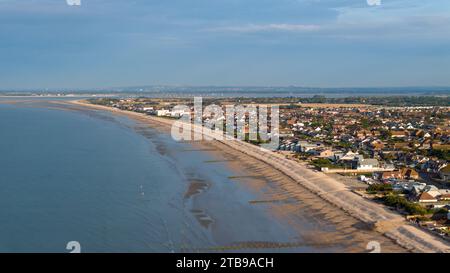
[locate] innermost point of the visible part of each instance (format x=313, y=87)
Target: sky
x=313, y=43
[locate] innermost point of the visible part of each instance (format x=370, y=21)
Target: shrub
x=375, y=188
x=394, y=200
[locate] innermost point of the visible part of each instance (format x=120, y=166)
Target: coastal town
x=400, y=153
x=394, y=155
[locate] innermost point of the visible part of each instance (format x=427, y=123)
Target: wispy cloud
x=249, y=28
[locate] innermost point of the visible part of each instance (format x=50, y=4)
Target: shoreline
x=388, y=223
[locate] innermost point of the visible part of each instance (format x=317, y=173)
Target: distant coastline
x=233, y=91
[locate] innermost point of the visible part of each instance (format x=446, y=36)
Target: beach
x=300, y=178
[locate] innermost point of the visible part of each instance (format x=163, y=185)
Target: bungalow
x=401, y=145
x=163, y=112
x=441, y=147
x=425, y=197
x=367, y=164
x=434, y=193
x=408, y=173
x=325, y=153
x=147, y=109
x=398, y=134
x=406, y=186
x=391, y=175
x=306, y=147
x=350, y=156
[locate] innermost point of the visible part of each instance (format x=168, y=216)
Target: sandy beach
x=293, y=180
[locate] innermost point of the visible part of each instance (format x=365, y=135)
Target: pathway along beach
x=361, y=219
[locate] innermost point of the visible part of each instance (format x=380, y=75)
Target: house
x=326, y=153
x=163, y=112
x=147, y=109
x=292, y=121
x=399, y=134
x=425, y=197
x=408, y=173
x=306, y=147
x=407, y=186
x=401, y=146
x=442, y=147
x=425, y=145
x=350, y=156
x=377, y=145
x=337, y=156
x=432, y=191
x=444, y=197
x=179, y=113
x=444, y=173
x=391, y=175
x=367, y=164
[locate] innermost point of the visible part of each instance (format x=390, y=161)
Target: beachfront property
x=368, y=164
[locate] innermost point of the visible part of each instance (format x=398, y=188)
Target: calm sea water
x=115, y=185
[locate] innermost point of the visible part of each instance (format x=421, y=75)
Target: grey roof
x=369, y=161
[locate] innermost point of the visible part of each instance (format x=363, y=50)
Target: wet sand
x=289, y=196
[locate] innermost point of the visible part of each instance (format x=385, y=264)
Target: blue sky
x=323, y=43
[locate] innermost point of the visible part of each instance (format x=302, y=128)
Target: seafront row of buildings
x=399, y=155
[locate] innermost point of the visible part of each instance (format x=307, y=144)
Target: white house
x=163, y=112
x=179, y=113
x=367, y=164
x=350, y=156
